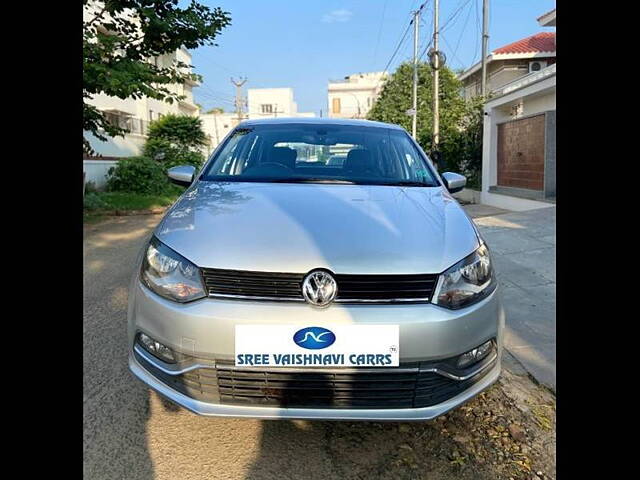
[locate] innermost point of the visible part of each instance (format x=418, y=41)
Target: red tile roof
x=540, y=42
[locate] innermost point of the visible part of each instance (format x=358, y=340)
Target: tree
x=464, y=149
x=176, y=140
x=121, y=38
x=396, y=98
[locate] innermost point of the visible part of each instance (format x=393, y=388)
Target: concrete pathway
x=523, y=246
x=130, y=433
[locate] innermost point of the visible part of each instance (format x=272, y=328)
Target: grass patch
x=97, y=204
x=91, y=216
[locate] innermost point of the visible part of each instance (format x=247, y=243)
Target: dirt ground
x=508, y=432
x=130, y=433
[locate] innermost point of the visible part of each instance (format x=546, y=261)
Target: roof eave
x=548, y=19
x=504, y=56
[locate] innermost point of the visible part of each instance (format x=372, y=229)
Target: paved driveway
x=130, y=433
x=523, y=245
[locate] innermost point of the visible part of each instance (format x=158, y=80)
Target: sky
x=304, y=43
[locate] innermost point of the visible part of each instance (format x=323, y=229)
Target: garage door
x=521, y=153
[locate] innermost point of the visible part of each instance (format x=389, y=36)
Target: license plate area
x=313, y=346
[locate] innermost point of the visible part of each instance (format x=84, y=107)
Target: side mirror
x=182, y=175
x=454, y=181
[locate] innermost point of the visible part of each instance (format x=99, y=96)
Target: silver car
x=285, y=285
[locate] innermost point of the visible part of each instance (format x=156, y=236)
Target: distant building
x=135, y=114
x=507, y=64
x=353, y=96
x=216, y=126
x=273, y=102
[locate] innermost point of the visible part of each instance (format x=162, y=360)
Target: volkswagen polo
x=286, y=284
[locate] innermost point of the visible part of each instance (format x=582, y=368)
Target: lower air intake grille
x=399, y=387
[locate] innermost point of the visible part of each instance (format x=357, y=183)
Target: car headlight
x=468, y=281
x=170, y=275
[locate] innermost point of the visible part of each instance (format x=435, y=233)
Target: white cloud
x=341, y=15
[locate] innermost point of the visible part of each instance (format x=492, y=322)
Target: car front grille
x=407, y=386
x=385, y=287
x=253, y=284
x=288, y=286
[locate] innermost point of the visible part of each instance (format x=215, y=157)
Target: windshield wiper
x=408, y=183
x=309, y=180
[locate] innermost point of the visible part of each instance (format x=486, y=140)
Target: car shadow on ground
x=356, y=450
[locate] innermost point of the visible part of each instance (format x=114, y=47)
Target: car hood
x=295, y=228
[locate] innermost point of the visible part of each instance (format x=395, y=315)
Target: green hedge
x=139, y=175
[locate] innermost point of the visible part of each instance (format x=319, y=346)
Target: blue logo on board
x=314, y=338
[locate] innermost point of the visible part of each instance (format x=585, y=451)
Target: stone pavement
x=523, y=247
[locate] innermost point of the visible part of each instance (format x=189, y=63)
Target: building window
x=150, y=115
x=336, y=105
x=368, y=101
x=266, y=108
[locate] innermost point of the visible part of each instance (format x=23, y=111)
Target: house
x=135, y=114
x=353, y=96
x=273, y=102
x=216, y=125
x=508, y=63
x=519, y=137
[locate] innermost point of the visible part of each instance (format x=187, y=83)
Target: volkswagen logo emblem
x=319, y=288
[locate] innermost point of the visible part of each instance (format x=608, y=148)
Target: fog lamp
x=475, y=355
x=156, y=349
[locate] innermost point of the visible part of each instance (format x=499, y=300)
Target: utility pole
x=485, y=44
x=239, y=100
x=436, y=77
x=414, y=120
x=215, y=123
x=275, y=110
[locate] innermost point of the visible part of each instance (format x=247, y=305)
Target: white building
x=273, y=102
x=135, y=114
x=513, y=61
x=519, y=140
x=217, y=126
x=353, y=96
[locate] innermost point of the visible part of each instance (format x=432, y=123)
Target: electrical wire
x=375, y=52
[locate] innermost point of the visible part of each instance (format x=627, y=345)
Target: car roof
x=318, y=121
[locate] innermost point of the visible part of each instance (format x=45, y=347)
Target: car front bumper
x=205, y=329
x=274, y=413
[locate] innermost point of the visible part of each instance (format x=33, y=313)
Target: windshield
x=320, y=154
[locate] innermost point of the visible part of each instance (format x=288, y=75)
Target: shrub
x=170, y=154
x=176, y=140
x=92, y=201
x=90, y=187
x=179, y=129
x=138, y=175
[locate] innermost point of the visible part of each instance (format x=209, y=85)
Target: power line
x=446, y=23
x=395, y=52
x=454, y=14
x=453, y=52
x=375, y=52
x=404, y=35
x=215, y=93
x=464, y=28
x=478, y=29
